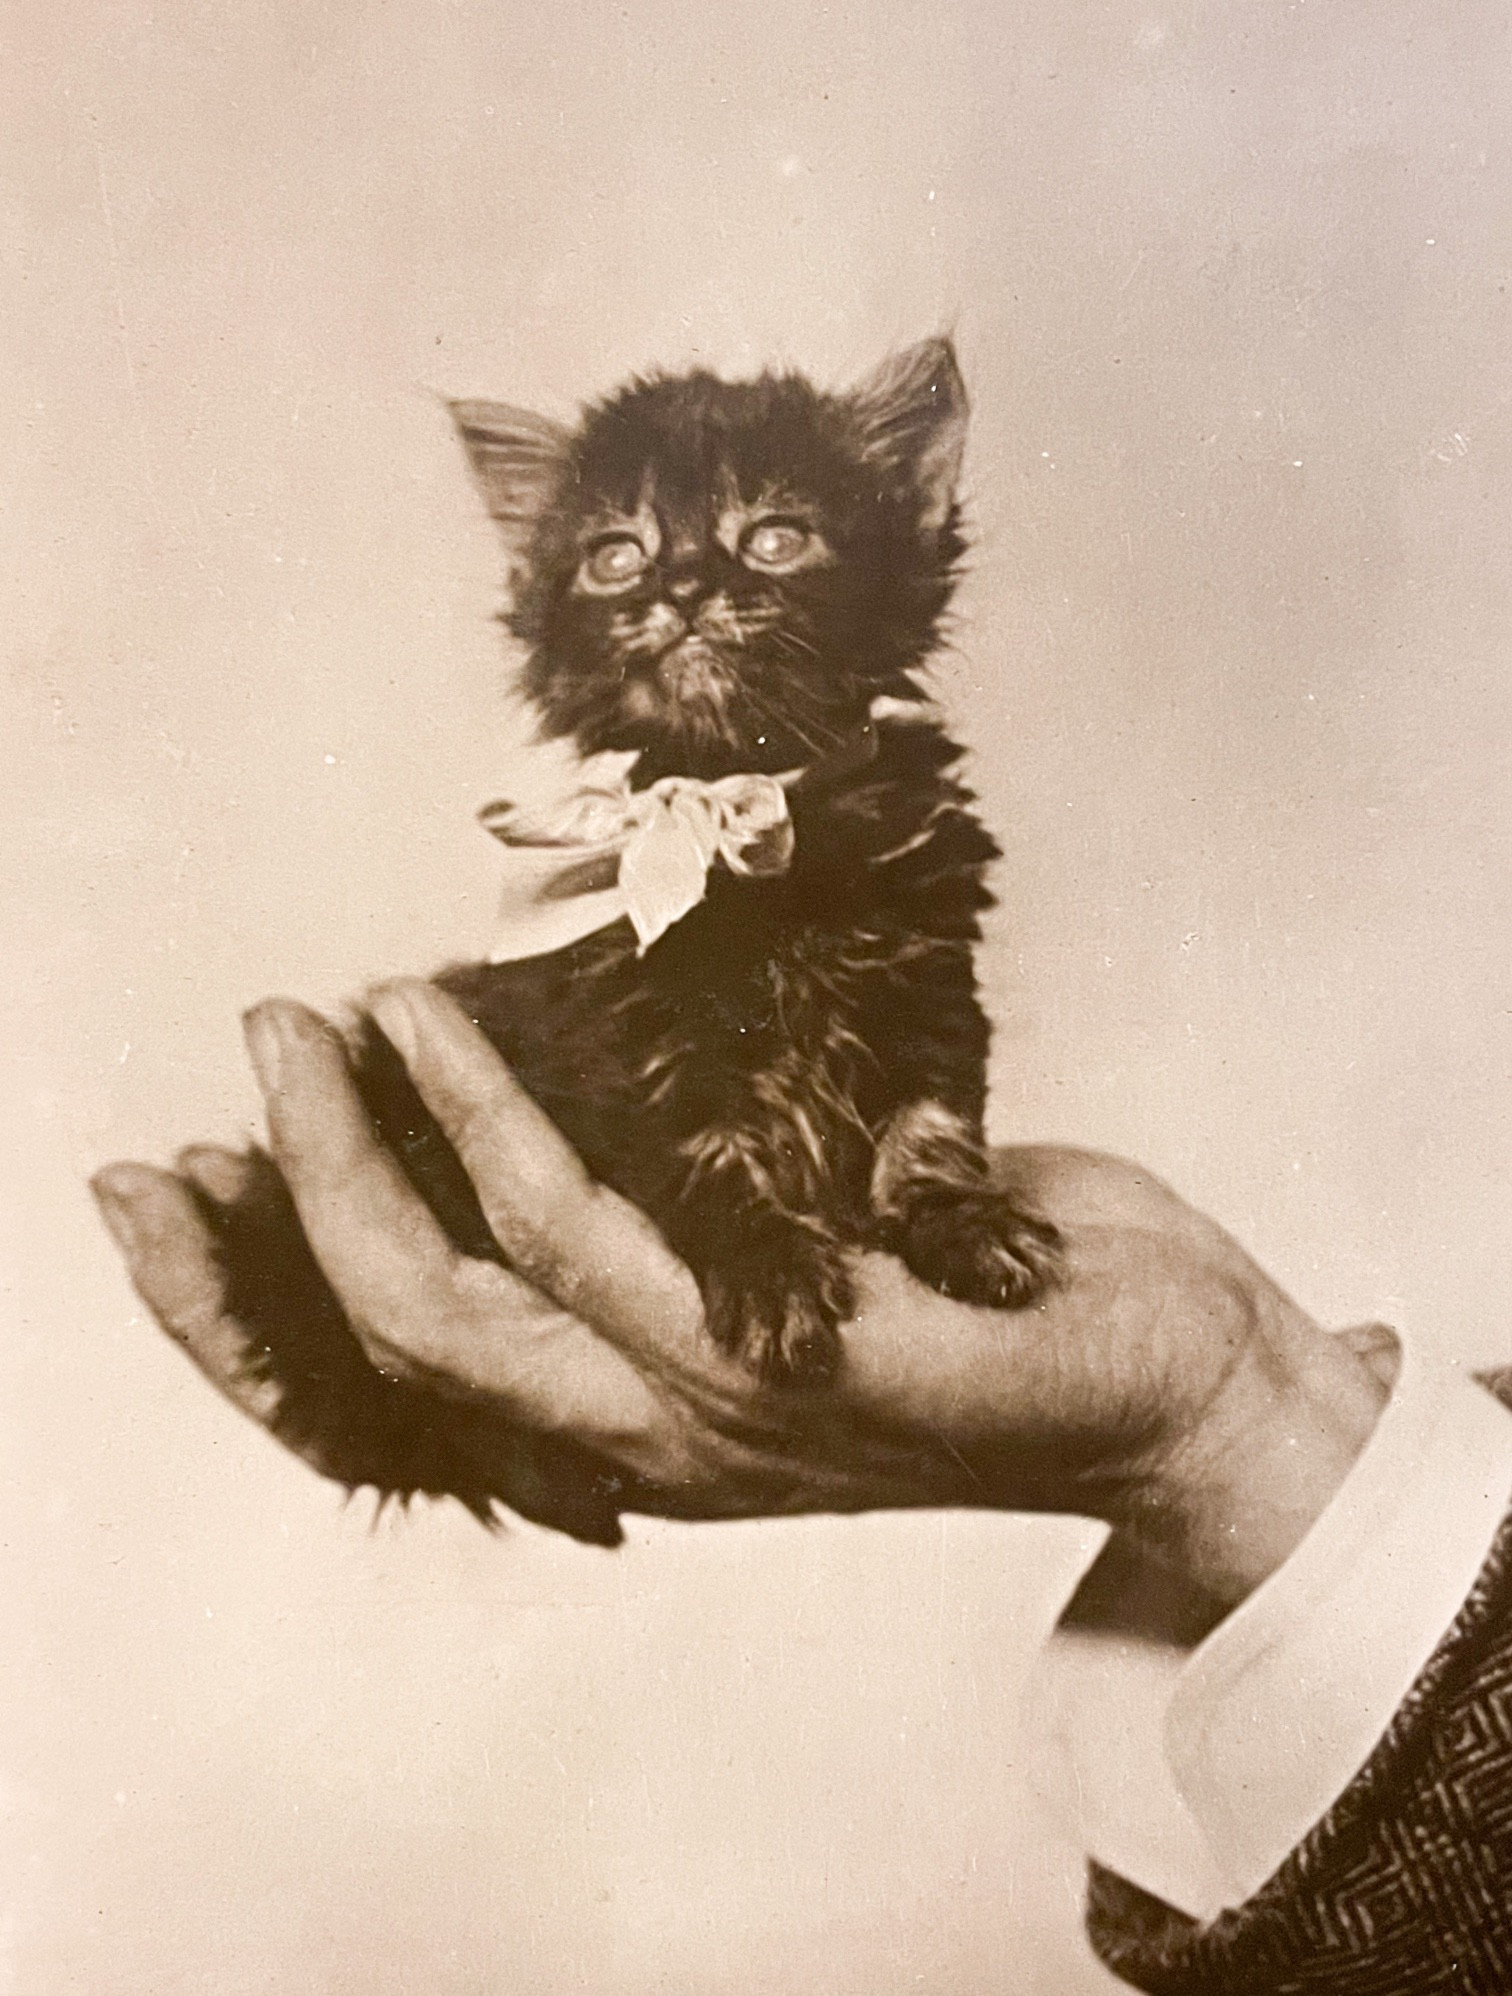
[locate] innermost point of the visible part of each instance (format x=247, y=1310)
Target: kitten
x=722, y=582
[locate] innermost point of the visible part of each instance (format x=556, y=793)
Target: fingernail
x=265, y=1030
x=115, y=1196
x=391, y=1007
x=219, y=1172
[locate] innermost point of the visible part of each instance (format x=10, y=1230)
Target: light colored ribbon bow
x=607, y=852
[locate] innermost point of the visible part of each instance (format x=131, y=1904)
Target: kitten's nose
x=683, y=588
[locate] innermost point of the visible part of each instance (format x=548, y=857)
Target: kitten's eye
x=613, y=563
x=778, y=545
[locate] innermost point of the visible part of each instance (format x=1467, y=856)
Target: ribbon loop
x=756, y=828
x=605, y=853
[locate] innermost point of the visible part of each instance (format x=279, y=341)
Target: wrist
x=1230, y=1496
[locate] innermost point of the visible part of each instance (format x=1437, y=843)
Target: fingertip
x=124, y=1180
x=139, y=1196
x=390, y=1005
x=132, y=1200
x=417, y=1005
x=123, y=1193
x=451, y=1059
x=405, y=987
x=166, y=1243
x=276, y=1029
x=279, y=1007
x=222, y=1175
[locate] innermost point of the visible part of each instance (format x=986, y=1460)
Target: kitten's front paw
x=778, y=1303
x=979, y=1248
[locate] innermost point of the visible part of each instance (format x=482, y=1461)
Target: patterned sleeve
x=1405, y=1886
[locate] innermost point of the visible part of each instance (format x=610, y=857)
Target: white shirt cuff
x=1280, y=1707
x=1195, y=1774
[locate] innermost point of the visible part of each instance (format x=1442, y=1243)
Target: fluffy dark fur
x=723, y=578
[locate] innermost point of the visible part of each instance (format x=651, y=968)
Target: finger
x=380, y=1246
x=411, y=1296
x=170, y=1255
x=224, y=1176
x=595, y=1253
x=237, y=1187
x=248, y=1202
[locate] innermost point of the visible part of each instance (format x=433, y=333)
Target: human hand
x=1166, y=1385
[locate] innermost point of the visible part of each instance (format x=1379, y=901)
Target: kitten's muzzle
x=694, y=670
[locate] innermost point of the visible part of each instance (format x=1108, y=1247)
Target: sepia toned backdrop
x=1230, y=286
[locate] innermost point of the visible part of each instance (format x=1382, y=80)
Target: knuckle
x=543, y=1228
x=488, y=1297
x=539, y=1258
x=403, y=1342
x=499, y=1129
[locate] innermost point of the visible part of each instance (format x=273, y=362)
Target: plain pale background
x=1230, y=284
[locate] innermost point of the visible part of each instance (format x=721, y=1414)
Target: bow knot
x=604, y=853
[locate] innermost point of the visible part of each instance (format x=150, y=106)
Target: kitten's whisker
x=812, y=711
x=792, y=639
x=779, y=718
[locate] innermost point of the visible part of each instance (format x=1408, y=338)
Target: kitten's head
x=724, y=575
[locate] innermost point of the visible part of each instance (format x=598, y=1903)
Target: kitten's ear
x=912, y=413
x=517, y=458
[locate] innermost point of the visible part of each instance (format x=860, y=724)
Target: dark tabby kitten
x=726, y=579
